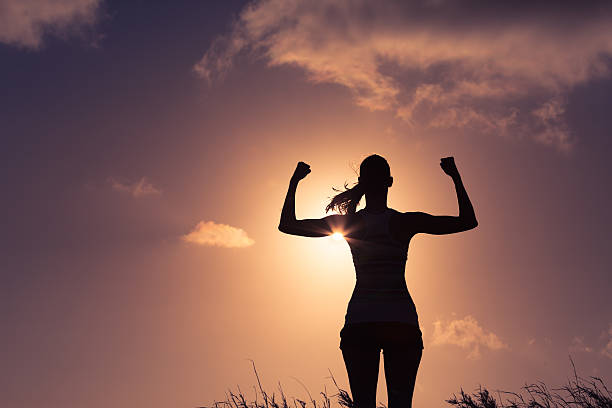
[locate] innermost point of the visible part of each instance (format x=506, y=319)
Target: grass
x=263, y=399
x=578, y=392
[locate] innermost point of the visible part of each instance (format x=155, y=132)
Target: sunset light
x=192, y=185
x=337, y=236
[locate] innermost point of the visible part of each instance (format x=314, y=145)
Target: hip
x=381, y=335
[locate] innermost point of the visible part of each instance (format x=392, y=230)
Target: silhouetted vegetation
x=264, y=399
x=579, y=392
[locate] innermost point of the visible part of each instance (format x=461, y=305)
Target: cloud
x=492, y=66
x=468, y=334
x=209, y=233
x=579, y=345
x=607, y=350
x=25, y=22
x=137, y=189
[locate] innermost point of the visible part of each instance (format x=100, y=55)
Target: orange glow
x=337, y=236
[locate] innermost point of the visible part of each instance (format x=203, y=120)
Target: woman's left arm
x=289, y=224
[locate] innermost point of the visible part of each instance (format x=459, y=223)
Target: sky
x=146, y=152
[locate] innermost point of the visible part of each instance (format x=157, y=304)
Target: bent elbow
x=473, y=224
x=284, y=228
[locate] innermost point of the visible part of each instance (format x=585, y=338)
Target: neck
x=376, y=201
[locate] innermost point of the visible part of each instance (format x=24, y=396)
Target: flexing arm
x=289, y=224
x=444, y=224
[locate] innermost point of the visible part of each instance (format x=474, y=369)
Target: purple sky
x=147, y=148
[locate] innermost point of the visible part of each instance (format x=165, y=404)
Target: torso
x=356, y=225
x=379, y=254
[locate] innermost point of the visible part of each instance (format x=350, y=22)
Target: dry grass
x=263, y=399
x=579, y=392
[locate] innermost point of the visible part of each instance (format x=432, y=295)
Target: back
x=380, y=292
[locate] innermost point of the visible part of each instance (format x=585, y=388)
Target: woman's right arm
x=289, y=224
x=445, y=224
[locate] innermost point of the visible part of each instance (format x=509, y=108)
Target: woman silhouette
x=381, y=314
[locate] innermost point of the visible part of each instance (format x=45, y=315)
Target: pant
x=402, y=347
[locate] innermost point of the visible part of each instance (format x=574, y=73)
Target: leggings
x=402, y=347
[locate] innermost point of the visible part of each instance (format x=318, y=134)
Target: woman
x=381, y=314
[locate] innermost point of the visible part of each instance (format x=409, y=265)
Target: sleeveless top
x=380, y=293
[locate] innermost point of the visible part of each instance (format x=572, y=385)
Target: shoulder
x=409, y=216
x=405, y=224
x=398, y=215
x=349, y=225
x=340, y=220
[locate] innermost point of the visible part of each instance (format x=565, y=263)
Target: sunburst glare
x=337, y=236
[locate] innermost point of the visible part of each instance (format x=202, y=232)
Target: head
x=374, y=177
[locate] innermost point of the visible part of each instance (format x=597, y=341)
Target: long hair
x=374, y=171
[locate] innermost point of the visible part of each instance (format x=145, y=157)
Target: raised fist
x=302, y=169
x=449, y=167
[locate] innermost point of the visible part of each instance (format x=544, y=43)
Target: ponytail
x=374, y=173
x=346, y=202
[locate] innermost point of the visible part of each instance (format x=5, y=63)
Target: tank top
x=380, y=293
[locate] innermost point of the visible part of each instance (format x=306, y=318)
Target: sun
x=337, y=236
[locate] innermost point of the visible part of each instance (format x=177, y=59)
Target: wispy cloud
x=209, y=233
x=468, y=334
x=497, y=67
x=24, y=23
x=139, y=188
x=578, y=345
x=607, y=350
